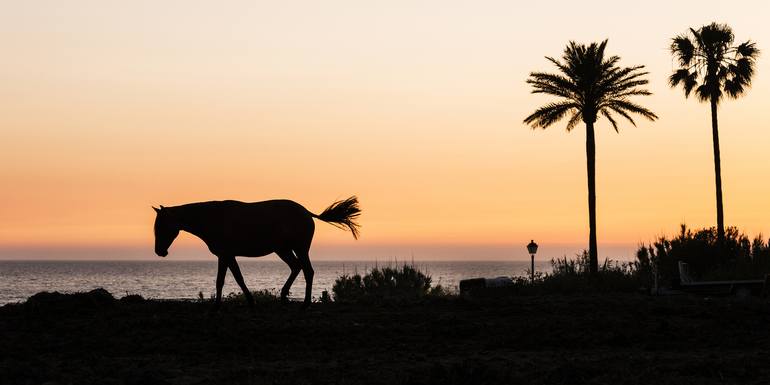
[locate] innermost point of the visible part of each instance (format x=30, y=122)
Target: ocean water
x=169, y=279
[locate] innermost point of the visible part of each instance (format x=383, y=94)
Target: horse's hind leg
x=239, y=279
x=288, y=257
x=304, y=260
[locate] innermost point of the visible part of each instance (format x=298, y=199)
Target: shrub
x=612, y=275
x=735, y=258
x=405, y=282
x=97, y=298
x=132, y=298
x=571, y=276
x=439, y=291
x=263, y=296
x=348, y=288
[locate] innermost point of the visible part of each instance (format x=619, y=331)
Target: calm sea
x=185, y=279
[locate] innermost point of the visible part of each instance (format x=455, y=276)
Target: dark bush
x=708, y=259
x=571, y=276
x=50, y=301
x=263, y=296
x=348, y=288
x=132, y=298
x=405, y=282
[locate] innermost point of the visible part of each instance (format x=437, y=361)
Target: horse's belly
x=248, y=245
x=255, y=252
x=241, y=250
x=254, y=237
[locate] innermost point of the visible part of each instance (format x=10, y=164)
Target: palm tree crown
x=710, y=63
x=589, y=85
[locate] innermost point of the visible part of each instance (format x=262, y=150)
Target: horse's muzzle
x=161, y=253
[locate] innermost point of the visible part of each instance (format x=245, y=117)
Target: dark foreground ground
x=591, y=339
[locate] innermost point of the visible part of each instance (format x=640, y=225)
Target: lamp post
x=532, y=249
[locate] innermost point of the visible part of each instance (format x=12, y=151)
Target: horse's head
x=166, y=230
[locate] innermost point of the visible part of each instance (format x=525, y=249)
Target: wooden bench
x=740, y=288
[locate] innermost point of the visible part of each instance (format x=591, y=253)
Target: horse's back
x=267, y=212
x=258, y=228
x=280, y=205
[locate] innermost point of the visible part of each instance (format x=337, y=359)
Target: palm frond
x=549, y=114
x=683, y=49
x=563, y=68
x=634, y=108
x=552, y=84
x=706, y=91
x=733, y=88
x=632, y=92
x=577, y=116
x=687, y=78
x=618, y=78
x=622, y=113
x=716, y=35
x=612, y=121
x=747, y=49
x=600, y=49
x=743, y=69
x=611, y=63
x=624, y=86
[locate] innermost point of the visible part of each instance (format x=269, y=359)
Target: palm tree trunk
x=593, y=259
x=717, y=171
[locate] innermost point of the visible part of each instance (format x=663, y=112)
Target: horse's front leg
x=221, y=271
x=239, y=279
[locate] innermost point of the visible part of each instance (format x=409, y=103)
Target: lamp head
x=532, y=247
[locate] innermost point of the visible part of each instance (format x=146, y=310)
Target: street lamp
x=532, y=249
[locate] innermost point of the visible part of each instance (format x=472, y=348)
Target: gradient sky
x=107, y=108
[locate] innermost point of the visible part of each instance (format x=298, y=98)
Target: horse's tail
x=342, y=214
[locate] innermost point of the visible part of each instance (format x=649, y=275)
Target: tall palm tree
x=588, y=86
x=710, y=64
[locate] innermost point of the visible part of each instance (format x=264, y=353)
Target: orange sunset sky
x=107, y=108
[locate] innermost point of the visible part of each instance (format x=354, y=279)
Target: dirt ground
x=581, y=339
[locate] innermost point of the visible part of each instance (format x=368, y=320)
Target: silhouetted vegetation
x=613, y=275
x=263, y=296
x=611, y=338
x=55, y=301
x=737, y=257
x=386, y=283
x=711, y=65
x=573, y=276
x=589, y=86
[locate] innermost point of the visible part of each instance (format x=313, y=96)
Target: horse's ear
x=161, y=207
x=157, y=210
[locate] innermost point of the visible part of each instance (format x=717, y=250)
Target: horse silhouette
x=232, y=228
